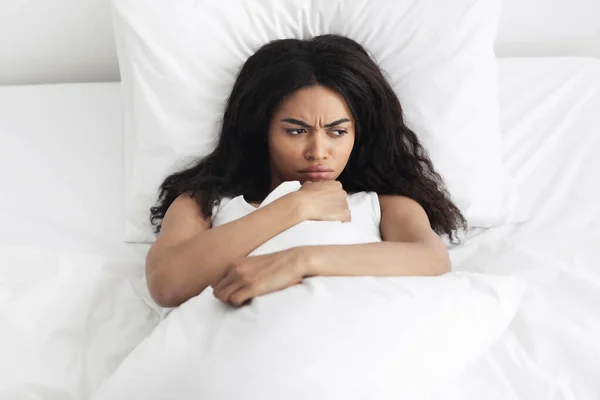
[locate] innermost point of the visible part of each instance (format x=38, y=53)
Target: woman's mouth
x=317, y=174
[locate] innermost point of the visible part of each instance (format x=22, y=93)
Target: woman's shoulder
x=402, y=204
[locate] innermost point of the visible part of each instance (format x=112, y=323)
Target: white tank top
x=365, y=212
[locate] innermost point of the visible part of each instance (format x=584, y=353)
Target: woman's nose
x=316, y=148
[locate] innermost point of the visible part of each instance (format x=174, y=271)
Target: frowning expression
x=311, y=136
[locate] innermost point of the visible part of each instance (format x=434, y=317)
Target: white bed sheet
x=73, y=301
x=70, y=288
x=552, y=132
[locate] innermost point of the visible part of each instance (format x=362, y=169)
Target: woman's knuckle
x=239, y=271
x=231, y=267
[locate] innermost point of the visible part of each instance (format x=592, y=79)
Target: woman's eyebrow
x=296, y=122
x=337, y=122
x=305, y=125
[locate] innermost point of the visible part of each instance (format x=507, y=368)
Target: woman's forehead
x=315, y=103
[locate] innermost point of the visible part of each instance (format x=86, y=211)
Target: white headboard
x=47, y=41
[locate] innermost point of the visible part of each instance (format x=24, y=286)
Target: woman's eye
x=339, y=132
x=295, y=131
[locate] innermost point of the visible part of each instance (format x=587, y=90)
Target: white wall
x=549, y=28
x=45, y=41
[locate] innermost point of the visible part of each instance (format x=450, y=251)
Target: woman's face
x=311, y=136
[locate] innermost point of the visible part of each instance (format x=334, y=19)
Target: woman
x=319, y=112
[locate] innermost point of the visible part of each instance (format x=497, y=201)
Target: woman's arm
x=410, y=247
x=188, y=254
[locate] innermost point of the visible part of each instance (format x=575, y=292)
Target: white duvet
x=66, y=321
x=329, y=337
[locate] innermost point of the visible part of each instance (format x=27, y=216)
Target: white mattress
x=73, y=301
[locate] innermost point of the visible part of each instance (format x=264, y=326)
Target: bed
x=73, y=300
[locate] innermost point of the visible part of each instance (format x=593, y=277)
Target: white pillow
x=179, y=61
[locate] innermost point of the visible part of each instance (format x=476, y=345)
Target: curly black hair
x=387, y=156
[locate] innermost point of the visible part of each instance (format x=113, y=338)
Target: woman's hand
x=324, y=201
x=253, y=276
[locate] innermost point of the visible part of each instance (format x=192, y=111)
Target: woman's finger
x=227, y=292
x=240, y=297
x=226, y=279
